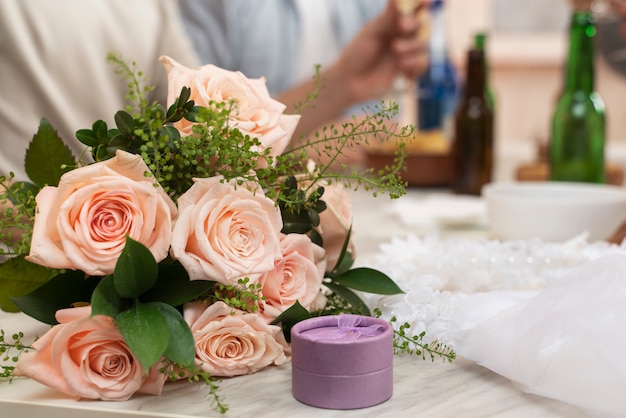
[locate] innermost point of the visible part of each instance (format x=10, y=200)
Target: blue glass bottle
x=438, y=87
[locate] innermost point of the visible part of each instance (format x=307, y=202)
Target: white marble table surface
x=421, y=388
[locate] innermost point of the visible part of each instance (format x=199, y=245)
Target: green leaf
x=350, y=297
x=145, y=331
x=190, y=107
x=291, y=317
x=181, y=348
x=313, y=216
x=174, y=287
x=117, y=142
x=125, y=122
x=368, y=280
x=320, y=205
x=345, y=260
x=100, y=153
x=46, y=156
x=105, y=300
x=185, y=94
x=291, y=183
x=316, y=238
x=296, y=227
x=100, y=132
x=87, y=137
x=344, y=263
x=181, y=106
x=136, y=270
x=295, y=221
x=19, y=277
x=194, y=114
x=172, y=133
x=62, y=291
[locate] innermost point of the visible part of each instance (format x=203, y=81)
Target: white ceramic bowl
x=554, y=211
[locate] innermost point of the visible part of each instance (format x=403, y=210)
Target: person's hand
x=385, y=48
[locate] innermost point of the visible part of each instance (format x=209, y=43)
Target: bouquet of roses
x=191, y=244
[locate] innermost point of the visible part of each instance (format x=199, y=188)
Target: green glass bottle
x=578, y=124
x=480, y=41
x=472, y=148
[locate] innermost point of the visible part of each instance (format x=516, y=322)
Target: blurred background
x=527, y=49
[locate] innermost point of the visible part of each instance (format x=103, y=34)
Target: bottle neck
x=479, y=41
x=475, y=82
x=579, y=70
x=437, y=40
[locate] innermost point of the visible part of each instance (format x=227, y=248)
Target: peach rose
x=225, y=233
x=297, y=276
x=335, y=222
x=82, y=224
x=257, y=114
x=230, y=342
x=87, y=357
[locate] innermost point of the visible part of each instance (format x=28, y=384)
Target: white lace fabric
x=548, y=316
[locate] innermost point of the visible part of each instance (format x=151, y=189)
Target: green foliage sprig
x=244, y=296
x=10, y=351
x=333, y=141
x=218, y=147
x=16, y=227
x=415, y=344
x=193, y=374
x=311, y=96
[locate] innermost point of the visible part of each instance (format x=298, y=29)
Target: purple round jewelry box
x=342, y=361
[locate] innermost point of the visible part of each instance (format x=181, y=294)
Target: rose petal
x=82, y=224
x=230, y=342
x=225, y=232
x=257, y=114
x=87, y=357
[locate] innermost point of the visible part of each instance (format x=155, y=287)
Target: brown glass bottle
x=472, y=149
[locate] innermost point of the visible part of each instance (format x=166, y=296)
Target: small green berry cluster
x=403, y=342
x=10, y=351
